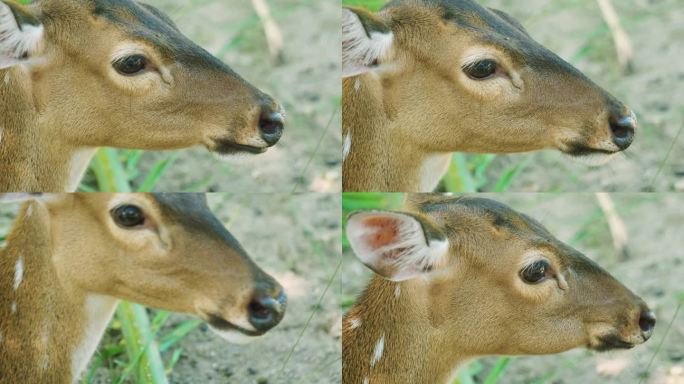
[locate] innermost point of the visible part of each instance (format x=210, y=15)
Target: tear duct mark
x=17, y=41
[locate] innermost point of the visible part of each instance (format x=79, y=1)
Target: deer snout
x=267, y=308
x=271, y=122
x=623, y=124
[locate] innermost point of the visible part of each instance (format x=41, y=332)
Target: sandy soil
x=653, y=269
x=307, y=83
x=296, y=240
x=575, y=30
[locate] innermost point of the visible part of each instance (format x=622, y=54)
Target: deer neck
x=34, y=156
x=49, y=328
x=388, y=338
x=376, y=156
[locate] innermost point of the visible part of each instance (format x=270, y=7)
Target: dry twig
x=274, y=37
x=618, y=229
x=623, y=45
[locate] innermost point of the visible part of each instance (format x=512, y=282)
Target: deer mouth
x=610, y=342
x=222, y=325
x=581, y=150
x=224, y=147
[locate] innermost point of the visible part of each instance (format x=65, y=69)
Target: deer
x=425, y=78
x=70, y=258
x=457, y=278
x=76, y=75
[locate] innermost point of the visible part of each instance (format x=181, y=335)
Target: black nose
x=271, y=123
x=623, y=127
x=647, y=322
x=265, y=311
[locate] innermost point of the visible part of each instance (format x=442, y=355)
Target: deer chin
x=609, y=342
x=230, y=331
x=228, y=148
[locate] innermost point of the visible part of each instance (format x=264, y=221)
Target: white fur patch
x=358, y=50
x=234, y=337
x=354, y=323
x=16, y=43
x=14, y=307
x=346, y=146
x=409, y=254
x=98, y=311
x=397, y=291
x=18, y=272
x=594, y=159
x=377, y=351
x=365, y=380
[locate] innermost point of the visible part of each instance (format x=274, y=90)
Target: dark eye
x=481, y=70
x=128, y=216
x=536, y=272
x=131, y=65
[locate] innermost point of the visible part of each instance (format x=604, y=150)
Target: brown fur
x=407, y=117
x=70, y=100
x=478, y=305
x=71, y=249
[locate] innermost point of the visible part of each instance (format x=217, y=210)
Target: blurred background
x=296, y=239
x=651, y=82
x=636, y=237
x=303, y=74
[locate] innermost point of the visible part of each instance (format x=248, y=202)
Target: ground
x=307, y=82
x=575, y=30
x=653, y=269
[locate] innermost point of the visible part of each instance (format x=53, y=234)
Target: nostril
x=647, y=322
x=258, y=310
x=271, y=126
x=265, y=312
x=622, y=128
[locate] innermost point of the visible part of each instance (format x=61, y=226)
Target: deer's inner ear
x=396, y=245
x=366, y=39
x=21, y=34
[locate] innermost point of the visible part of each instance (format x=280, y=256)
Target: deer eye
x=481, y=70
x=130, y=65
x=536, y=272
x=128, y=216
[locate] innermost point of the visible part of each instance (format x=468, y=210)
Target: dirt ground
x=296, y=240
x=307, y=83
x=655, y=90
x=653, y=269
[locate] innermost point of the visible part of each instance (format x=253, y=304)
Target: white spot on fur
x=346, y=146
x=377, y=351
x=29, y=211
x=354, y=323
x=18, y=273
x=7, y=78
x=358, y=50
x=357, y=85
x=13, y=307
x=365, y=380
x=15, y=42
x=397, y=291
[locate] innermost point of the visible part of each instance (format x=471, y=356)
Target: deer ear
x=510, y=20
x=397, y=246
x=365, y=40
x=20, y=34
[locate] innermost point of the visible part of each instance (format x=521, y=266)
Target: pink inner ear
x=386, y=231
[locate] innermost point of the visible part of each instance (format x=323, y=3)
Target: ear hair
x=396, y=245
x=20, y=34
x=365, y=40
